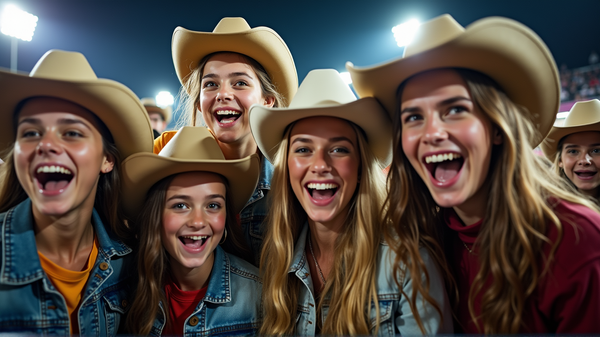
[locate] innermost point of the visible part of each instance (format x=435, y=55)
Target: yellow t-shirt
x=162, y=140
x=70, y=283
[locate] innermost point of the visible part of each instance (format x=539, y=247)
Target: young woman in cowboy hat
x=186, y=199
x=223, y=73
x=468, y=106
x=64, y=269
x=575, y=148
x=159, y=117
x=325, y=266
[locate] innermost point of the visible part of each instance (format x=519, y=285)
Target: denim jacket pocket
x=115, y=307
x=386, y=318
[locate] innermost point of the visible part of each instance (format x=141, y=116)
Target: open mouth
x=443, y=167
x=53, y=178
x=322, y=191
x=193, y=241
x=227, y=116
x=585, y=174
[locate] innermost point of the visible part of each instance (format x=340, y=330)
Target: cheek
x=410, y=142
x=171, y=224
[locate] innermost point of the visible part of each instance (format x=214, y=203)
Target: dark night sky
x=129, y=40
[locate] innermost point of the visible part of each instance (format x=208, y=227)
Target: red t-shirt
x=566, y=300
x=181, y=305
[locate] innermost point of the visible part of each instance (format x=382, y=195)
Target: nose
x=48, y=144
x=225, y=94
x=197, y=220
x=320, y=162
x=434, y=131
x=586, y=160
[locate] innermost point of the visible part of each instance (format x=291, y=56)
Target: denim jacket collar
x=299, y=259
x=20, y=261
x=264, y=181
x=219, y=286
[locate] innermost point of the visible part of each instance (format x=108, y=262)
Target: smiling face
x=323, y=165
x=446, y=138
x=193, y=220
x=229, y=87
x=58, y=155
x=580, y=159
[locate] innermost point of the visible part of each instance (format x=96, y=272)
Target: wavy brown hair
x=189, y=93
x=153, y=260
x=523, y=193
x=350, y=290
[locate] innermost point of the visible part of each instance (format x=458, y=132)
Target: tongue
x=229, y=119
x=447, y=170
x=192, y=243
x=585, y=174
x=56, y=185
x=322, y=194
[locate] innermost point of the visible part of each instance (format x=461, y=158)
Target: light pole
x=17, y=24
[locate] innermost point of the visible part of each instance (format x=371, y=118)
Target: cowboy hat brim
x=503, y=49
x=550, y=144
x=113, y=103
x=143, y=170
x=260, y=43
x=269, y=125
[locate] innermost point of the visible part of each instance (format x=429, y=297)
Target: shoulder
x=387, y=260
x=243, y=269
x=162, y=140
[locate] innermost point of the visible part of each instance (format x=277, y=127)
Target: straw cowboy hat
x=323, y=93
x=150, y=105
x=262, y=44
x=584, y=116
x=193, y=148
x=503, y=49
x=69, y=76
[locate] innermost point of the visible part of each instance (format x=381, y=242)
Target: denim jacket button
x=103, y=266
x=194, y=321
x=124, y=303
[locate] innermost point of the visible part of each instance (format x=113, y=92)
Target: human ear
x=108, y=163
x=269, y=101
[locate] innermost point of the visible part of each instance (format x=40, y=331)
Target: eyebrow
x=332, y=140
x=447, y=101
x=187, y=197
x=570, y=146
x=61, y=121
x=234, y=74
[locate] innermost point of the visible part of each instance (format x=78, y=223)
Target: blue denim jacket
x=394, y=309
x=231, y=305
x=28, y=300
x=254, y=213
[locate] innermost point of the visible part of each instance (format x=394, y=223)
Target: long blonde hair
x=523, y=193
x=189, y=93
x=350, y=290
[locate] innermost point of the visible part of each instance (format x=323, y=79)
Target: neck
x=66, y=239
x=323, y=237
x=190, y=279
x=239, y=149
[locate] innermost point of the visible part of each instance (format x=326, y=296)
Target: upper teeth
x=227, y=112
x=436, y=158
x=317, y=186
x=53, y=169
x=195, y=237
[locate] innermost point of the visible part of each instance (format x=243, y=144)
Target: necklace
x=467, y=247
x=315, y=259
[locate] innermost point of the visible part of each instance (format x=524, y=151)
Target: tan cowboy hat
x=262, y=44
x=324, y=93
x=503, y=49
x=69, y=76
x=193, y=148
x=584, y=116
x=150, y=104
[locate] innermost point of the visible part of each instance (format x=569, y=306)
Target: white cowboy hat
x=503, y=49
x=584, y=116
x=193, y=148
x=150, y=104
x=262, y=44
x=323, y=93
x=69, y=76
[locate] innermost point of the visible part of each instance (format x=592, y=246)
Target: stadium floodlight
x=164, y=99
x=18, y=24
x=346, y=77
x=405, y=32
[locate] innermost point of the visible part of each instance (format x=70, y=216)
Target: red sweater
x=566, y=300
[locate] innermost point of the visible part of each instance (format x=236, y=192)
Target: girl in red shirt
x=468, y=106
